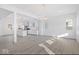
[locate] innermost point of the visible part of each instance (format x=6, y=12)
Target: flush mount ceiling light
x=44, y=10
x=43, y=5
x=43, y=18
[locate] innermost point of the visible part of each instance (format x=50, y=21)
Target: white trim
x=15, y=28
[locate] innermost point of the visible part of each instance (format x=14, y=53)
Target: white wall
x=4, y=25
x=0, y=26
x=57, y=25
x=77, y=27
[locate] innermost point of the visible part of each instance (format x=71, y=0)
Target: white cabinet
x=22, y=32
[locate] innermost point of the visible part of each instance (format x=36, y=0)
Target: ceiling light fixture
x=44, y=10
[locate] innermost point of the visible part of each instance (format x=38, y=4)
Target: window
x=33, y=24
x=46, y=25
x=69, y=24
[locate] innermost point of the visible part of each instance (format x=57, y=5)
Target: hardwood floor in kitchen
x=30, y=45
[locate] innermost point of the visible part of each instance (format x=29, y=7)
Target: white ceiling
x=42, y=9
x=47, y=9
x=4, y=13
